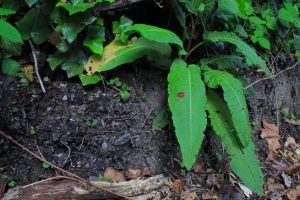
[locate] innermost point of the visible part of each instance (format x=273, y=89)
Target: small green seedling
x=123, y=87
x=100, y=178
x=46, y=165
x=92, y=123
x=11, y=184
x=46, y=79
x=34, y=130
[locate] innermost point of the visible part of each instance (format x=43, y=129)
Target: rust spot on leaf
x=180, y=95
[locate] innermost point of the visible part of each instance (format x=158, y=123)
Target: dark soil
x=122, y=138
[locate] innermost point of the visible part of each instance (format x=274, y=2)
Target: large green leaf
x=10, y=67
x=152, y=33
x=225, y=61
x=240, y=8
x=95, y=39
x=234, y=96
x=243, y=161
x=9, y=32
x=34, y=25
x=187, y=102
x=117, y=53
x=4, y=11
x=243, y=47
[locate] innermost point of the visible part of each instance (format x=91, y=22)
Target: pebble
x=65, y=98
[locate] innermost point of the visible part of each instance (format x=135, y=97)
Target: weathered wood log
x=70, y=189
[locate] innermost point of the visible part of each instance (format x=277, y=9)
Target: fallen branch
x=78, y=178
x=274, y=76
x=71, y=189
x=36, y=67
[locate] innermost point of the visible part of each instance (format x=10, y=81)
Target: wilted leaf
x=209, y=196
x=133, y=173
x=270, y=133
x=178, y=184
x=189, y=196
x=292, y=194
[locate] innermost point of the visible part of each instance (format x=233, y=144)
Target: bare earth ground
x=122, y=138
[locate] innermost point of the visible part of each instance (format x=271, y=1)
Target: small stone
x=65, y=98
x=133, y=173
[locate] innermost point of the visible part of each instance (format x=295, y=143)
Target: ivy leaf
x=152, y=33
x=117, y=53
x=225, y=61
x=34, y=25
x=31, y=2
x=10, y=47
x=264, y=43
x=95, y=38
x=72, y=25
x=90, y=80
x=9, y=32
x=234, y=96
x=10, y=67
x=125, y=22
x=76, y=6
x=4, y=11
x=243, y=47
x=55, y=60
x=187, y=102
x=243, y=161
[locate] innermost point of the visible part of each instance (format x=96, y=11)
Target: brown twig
x=36, y=67
x=78, y=178
x=274, y=76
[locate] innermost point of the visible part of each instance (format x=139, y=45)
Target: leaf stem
x=193, y=49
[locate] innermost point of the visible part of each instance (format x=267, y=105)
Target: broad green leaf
x=117, y=53
x=225, y=61
x=160, y=121
x=32, y=25
x=78, y=6
x=95, y=39
x=289, y=14
x=74, y=61
x=55, y=60
x=4, y=11
x=243, y=161
x=240, y=8
x=234, y=96
x=10, y=67
x=10, y=47
x=89, y=80
x=256, y=20
x=9, y=32
x=152, y=33
x=187, y=102
x=31, y=2
x=243, y=47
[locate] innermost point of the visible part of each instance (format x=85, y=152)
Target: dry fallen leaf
x=270, y=133
x=178, y=184
x=292, y=194
x=292, y=121
x=209, y=196
x=113, y=175
x=290, y=141
x=134, y=173
x=146, y=171
x=189, y=196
